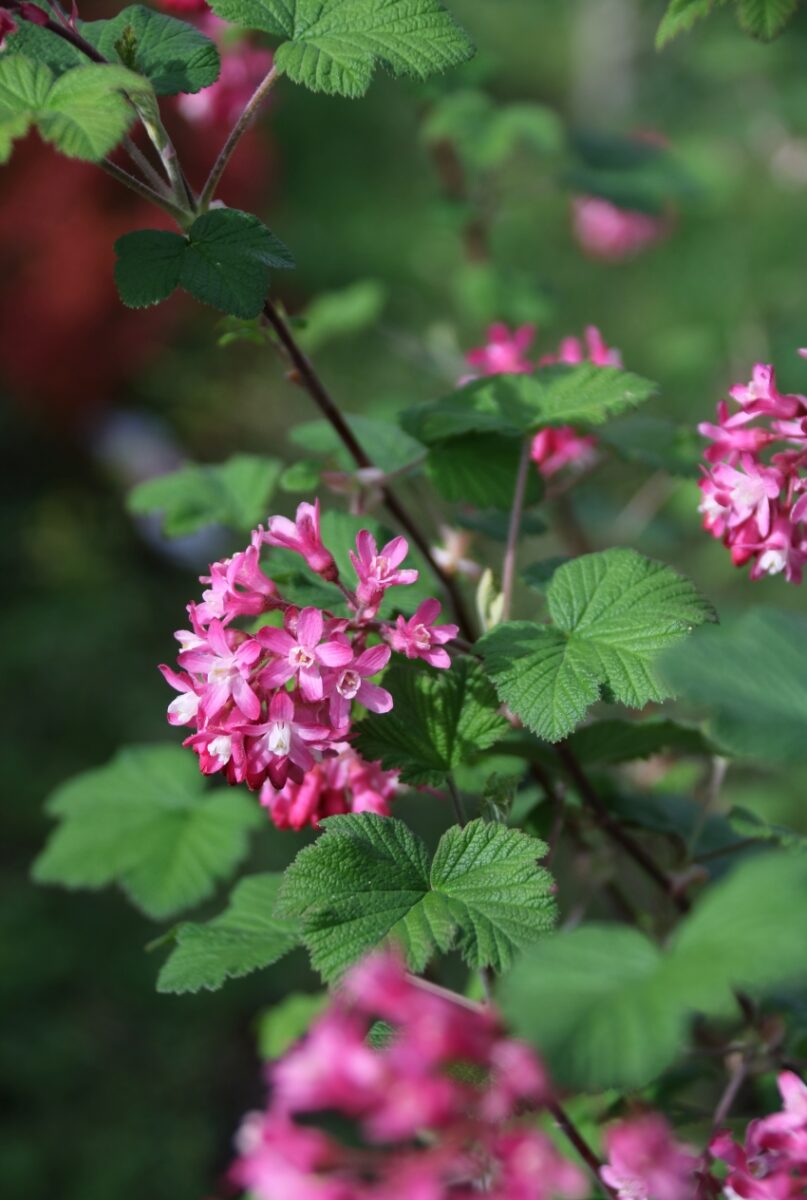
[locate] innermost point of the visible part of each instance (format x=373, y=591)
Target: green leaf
x=86, y=112
x=520, y=404
x=498, y=895
x=233, y=493
x=480, y=469
x=242, y=939
x=369, y=880
x=24, y=87
x=484, y=134
x=223, y=262
x=173, y=55
x=680, y=16
x=606, y=1008
x=749, y=824
x=538, y=575
x=280, y=1026
x=43, y=47
x=751, y=678
x=656, y=443
x=765, y=18
x=332, y=316
x=389, y=448
x=334, y=45
x=615, y=741
x=613, y=614
x=591, y=1001
x=441, y=720
x=146, y=822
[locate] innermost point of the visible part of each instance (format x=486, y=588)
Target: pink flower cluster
x=772, y=1162
x=419, y=1129
x=613, y=234
x=504, y=354
x=273, y=707
x=645, y=1162
x=754, y=490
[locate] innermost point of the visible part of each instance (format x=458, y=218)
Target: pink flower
x=351, y=684
x=613, y=234
x=427, y=1133
x=562, y=446
x=378, y=571
x=280, y=746
x=646, y=1163
x=302, y=656
x=303, y=536
x=762, y=396
x=420, y=638
x=590, y=348
x=225, y=659
x=238, y=587
x=772, y=1164
x=7, y=26
x=242, y=68
x=503, y=353
x=343, y=782
x=184, y=709
x=749, y=492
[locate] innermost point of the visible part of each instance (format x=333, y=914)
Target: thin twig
x=737, y=1077
x=234, y=137
x=150, y=173
x=592, y=800
x=573, y=1134
x=143, y=190
x=456, y=800
x=514, y=529
x=310, y=380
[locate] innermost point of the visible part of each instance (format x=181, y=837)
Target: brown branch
x=310, y=380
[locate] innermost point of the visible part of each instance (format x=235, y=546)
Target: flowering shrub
x=636, y=942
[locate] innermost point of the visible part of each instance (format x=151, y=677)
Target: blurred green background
x=107, y=1089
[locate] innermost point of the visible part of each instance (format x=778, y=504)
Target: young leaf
x=334, y=45
x=24, y=87
x=613, y=614
x=765, y=19
x=388, y=447
x=441, y=720
x=751, y=677
x=518, y=404
x=680, y=16
x=369, y=880
x=280, y=1026
x=223, y=261
x=86, y=113
x=233, y=493
x=146, y=822
x=244, y=938
x=332, y=316
x=173, y=55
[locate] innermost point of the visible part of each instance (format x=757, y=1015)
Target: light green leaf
x=280, y=1026
x=332, y=316
x=86, y=112
x=747, y=824
x=680, y=16
x=592, y=1004
x=751, y=678
x=485, y=134
x=613, y=614
x=146, y=822
x=334, y=45
x=173, y=55
x=498, y=895
x=441, y=720
x=480, y=469
x=614, y=741
x=369, y=880
x=24, y=87
x=765, y=18
x=224, y=261
x=244, y=938
x=233, y=493
x=606, y=1008
x=519, y=404
x=390, y=449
